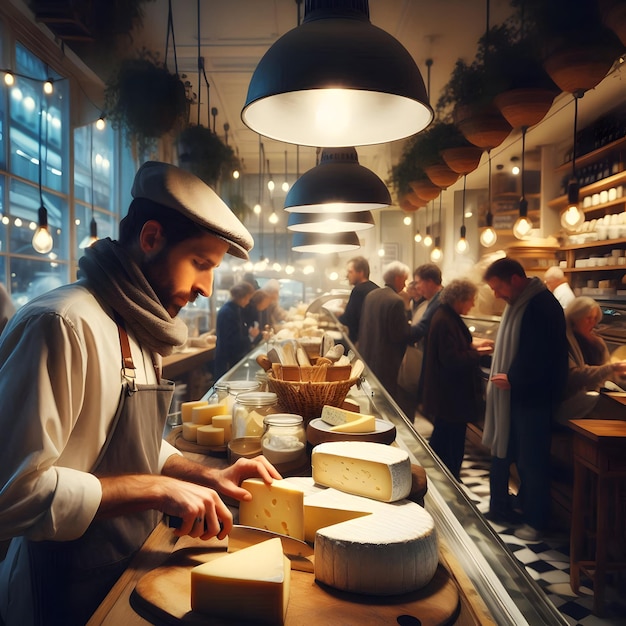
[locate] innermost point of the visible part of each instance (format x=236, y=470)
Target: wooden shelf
x=600, y=185
x=604, y=243
x=596, y=268
x=590, y=157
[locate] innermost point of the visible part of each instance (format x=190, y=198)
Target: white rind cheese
x=363, y=468
x=251, y=584
x=336, y=416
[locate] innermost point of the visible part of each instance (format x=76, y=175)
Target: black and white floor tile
x=546, y=561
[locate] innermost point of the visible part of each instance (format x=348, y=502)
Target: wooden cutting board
x=163, y=596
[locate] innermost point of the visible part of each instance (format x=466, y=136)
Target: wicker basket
x=307, y=398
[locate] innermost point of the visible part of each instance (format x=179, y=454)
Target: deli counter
x=482, y=562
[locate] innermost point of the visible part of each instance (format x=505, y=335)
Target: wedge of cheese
x=364, y=424
x=187, y=407
x=190, y=431
x=225, y=422
x=335, y=416
x=278, y=507
x=250, y=584
x=209, y=436
x=204, y=414
x=363, y=468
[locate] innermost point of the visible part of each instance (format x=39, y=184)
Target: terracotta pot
x=425, y=190
x=406, y=205
x=415, y=200
x=462, y=160
x=483, y=126
x=524, y=107
x=613, y=14
x=575, y=67
x=441, y=175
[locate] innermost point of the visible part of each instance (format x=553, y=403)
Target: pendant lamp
x=42, y=239
x=573, y=217
x=461, y=245
x=436, y=254
x=337, y=80
x=523, y=225
x=488, y=235
x=428, y=240
x=339, y=183
x=330, y=222
x=325, y=243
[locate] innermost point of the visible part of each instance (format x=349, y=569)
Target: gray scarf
x=118, y=282
x=498, y=401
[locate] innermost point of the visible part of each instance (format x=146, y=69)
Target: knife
x=298, y=552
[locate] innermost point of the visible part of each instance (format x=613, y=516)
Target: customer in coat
x=453, y=389
x=358, y=274
x=233, y=336
x=528, y=375
x=384, y=328
x=259, y=302
x=85, y=474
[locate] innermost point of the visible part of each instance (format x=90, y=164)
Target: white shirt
x=60, y=384
x=564, y=294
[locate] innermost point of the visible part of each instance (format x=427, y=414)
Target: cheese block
x=190, y=431
x=364, y=424
x=187, y=407
x=210, y=436
x=363, y=468
x=277, y=507
x=250, y=584
x=225, y=422
x=393, y=550
x=204, y=414
x=335, y=416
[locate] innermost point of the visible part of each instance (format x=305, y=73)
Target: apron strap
x=128, y=366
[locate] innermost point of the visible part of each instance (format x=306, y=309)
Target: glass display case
x=507, y=590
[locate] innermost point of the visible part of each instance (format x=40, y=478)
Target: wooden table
x=600, y=453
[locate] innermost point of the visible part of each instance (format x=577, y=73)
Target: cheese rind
x=187, y=407
x=210, y=436
x=190, y=431
x=365, y=424
x=278, y=507
x=250, y=584
x=363, y=468
x=204, y=414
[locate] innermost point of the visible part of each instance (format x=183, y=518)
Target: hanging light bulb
x=573, y=217
x=488, y=235
x=42, y=239
x=270, y=182
x=277, y=267
x=428, y=240
x=461, y=245
x=273, y=218
x=236, y=174
x=100, y=123
x=407, y=220
x=289, y=270
x=523, y=225
x=418, y=237
x=92, y=237
x=381, y=252
x=436, y=253
x=48, y=87
x=257, y=209
x=285, y=185
x=9, y=79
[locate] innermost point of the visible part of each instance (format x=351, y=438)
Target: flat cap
x=180, y=190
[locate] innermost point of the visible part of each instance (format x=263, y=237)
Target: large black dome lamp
x=337, y=80
x=338, y=184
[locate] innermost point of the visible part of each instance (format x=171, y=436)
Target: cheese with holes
x=277, y=507
x=250, y=584
x=204, y=414
x=335, y=416
x=365, y=424
x=187, y=407
x=210, y=436
x=190, y=431
x=225, y=422
x=363, y=468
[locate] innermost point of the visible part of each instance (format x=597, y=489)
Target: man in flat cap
x=85, y=475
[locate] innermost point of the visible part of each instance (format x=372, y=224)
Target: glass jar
x=250, y=410
x=284, y=439
x=226, y=392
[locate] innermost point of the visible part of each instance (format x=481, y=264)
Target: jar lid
x=237, y=386
x=260, y=398
x=282, y=419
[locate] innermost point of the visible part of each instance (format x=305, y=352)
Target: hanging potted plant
x=409, y=179
x=578, y=49
x=145, y=100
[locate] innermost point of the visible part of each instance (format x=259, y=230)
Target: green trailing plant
x=145, y=100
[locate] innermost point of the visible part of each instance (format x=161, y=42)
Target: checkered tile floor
x=546, y=561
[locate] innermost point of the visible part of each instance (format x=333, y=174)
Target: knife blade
x=298, y=552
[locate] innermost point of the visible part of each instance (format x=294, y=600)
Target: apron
x=71, y=578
